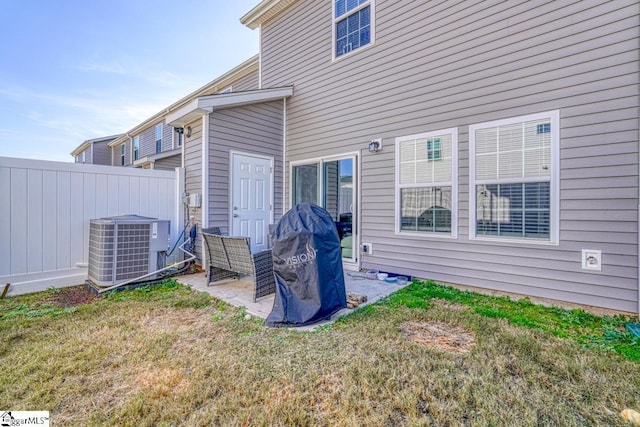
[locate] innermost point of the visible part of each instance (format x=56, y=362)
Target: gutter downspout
x=205, y=170
x=260, y=57
x=284, y=156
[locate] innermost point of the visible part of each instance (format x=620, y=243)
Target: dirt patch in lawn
x=438, y=335
x=160, y=381
x=73, y=296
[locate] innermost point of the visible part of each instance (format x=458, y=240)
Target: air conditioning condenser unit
x=122, y=248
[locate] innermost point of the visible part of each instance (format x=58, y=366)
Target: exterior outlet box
x=592, y=259
x=195, y=200
x=367, y=248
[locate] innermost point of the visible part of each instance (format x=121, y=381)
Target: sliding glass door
x=330, y=183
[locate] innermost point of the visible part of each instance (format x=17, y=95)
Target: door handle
x=236, y=215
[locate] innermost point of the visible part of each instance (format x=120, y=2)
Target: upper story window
x=136, y=147
x=159, y=138
x=352, y=25
x=179, y=138
x=122, y=155
x=426, y=184
x=514, y=178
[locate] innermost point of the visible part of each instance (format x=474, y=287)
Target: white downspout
x=205, y=170
x=284, y=155
x=260, y=57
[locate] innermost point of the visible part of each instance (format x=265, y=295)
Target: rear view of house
x=481, y=143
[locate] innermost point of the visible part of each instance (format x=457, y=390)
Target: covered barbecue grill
x=307, y=264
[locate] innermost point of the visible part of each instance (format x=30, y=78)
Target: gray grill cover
x=307, y=264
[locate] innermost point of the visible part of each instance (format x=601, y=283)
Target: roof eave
x=81, y=148
x=264, y=11
x=207, y=104
x=223, y=81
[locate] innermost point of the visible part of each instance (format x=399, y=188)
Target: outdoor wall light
x=184, y=131
x=375, y=145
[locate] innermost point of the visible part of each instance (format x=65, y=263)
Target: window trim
x=135, y=154
x=554, y=180
x=334, y=21
x=123, y=155
x=453, y=183
x=177, y=139
x=158, y=126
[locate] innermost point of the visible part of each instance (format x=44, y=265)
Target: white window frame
x=554, y=179
x=334, y=22
x=356, y=260
x=156, y=139
x=123, y=160
x=453, y=184
x=133, y=148
x=177, y=139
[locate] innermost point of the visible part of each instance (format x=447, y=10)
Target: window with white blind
x=514, y=186
x=426, y=183
x=352, y=25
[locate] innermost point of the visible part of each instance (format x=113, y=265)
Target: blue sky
x=72, y=70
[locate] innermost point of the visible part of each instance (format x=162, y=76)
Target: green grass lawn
x=173, y=356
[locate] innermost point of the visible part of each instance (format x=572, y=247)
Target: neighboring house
x=156, y=144
x=486, y=143
x=94, y=151
x=228, y=136
x=233, y=156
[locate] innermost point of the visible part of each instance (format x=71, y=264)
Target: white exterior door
x=251, y=198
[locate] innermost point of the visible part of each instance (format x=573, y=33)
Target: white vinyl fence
x=45, y=209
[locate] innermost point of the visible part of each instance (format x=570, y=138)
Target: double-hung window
x=136, y=147
x=352, y=25
x=159, y=138
x=426, y=180
x=122, y=154
x=514, y=178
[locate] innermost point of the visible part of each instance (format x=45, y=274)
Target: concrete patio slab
x=239, y=293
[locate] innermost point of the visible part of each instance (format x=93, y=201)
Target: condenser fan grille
x=120, y=249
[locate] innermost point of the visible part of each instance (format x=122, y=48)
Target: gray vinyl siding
x=250, y=129
x=87, y=156
x=101, y=153
x=439, y=65
x=193, y=175
x=168, y=163
x=148, y=140
x=115, y=154
x=248, y=82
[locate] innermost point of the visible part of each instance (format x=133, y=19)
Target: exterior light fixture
x=188, y=131
x=375, y=146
